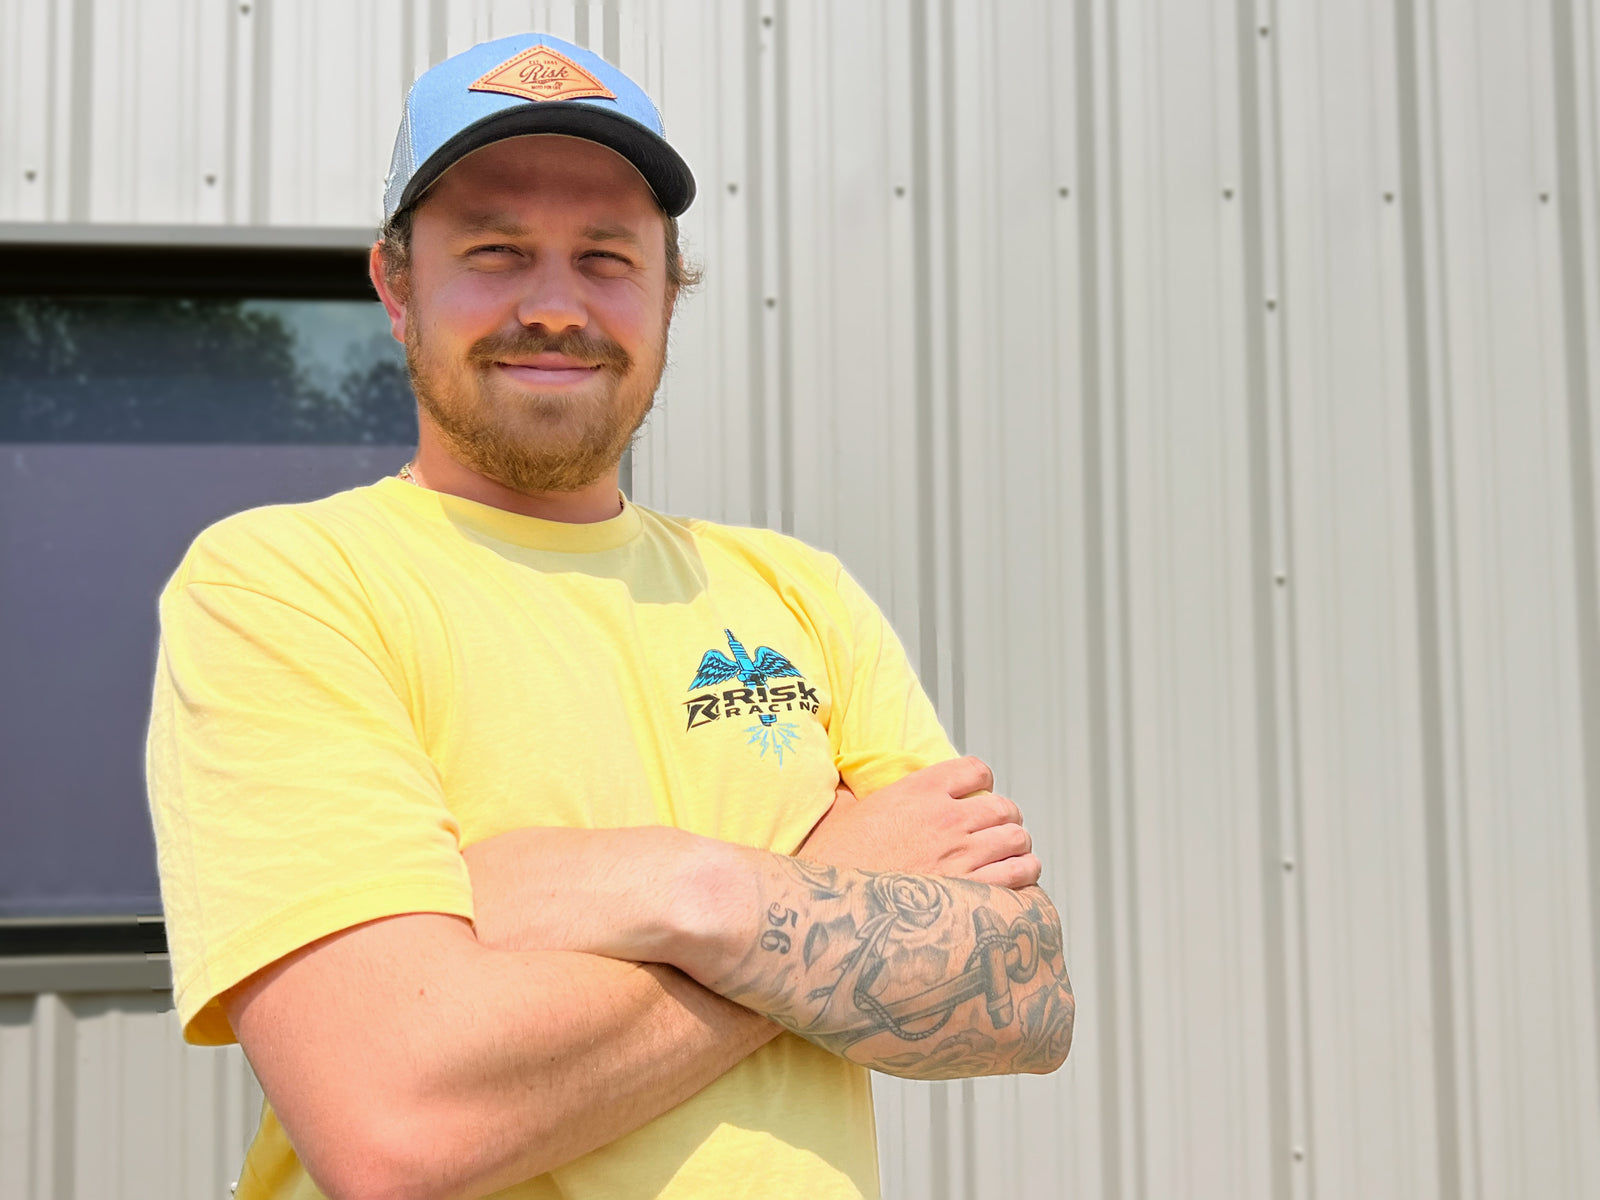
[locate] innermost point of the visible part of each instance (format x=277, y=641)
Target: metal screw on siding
x=899, y=189
x=772, y=302
x=1280, y=578
x=1264, y=30
x=30, y=174
x=1288, y=864
x=1299, y=1154
x=1227, y=193
x=733, y=189
x=1544, y=197
x=1272, y=306
x=1388, y=197
x=767, y=21
x=211, y=180
x=244, y=9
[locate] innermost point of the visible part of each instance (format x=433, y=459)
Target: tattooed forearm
x=916, y=975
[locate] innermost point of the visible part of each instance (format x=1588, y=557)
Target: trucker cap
x=529, y=83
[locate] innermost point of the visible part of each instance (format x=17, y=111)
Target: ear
x=393, y=303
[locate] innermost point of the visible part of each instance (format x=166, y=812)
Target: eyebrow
x=506, y=227
x=491, y=223
x=612, y=233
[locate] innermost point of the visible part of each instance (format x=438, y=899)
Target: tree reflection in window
x=173, y=369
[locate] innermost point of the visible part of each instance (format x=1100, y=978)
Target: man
x=476, y=790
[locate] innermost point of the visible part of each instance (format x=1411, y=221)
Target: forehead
x=549, y=173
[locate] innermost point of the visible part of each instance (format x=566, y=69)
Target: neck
x=436, y=470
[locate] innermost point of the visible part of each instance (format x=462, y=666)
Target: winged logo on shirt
x=758, y=695
x=716, y=667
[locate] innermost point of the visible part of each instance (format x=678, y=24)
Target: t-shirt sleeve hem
x=299, y=924
x=864, y=774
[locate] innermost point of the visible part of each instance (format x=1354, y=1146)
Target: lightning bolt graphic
x=777, y=738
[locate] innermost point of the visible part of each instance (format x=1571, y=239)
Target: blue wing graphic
x=772, y=664
x=714, y=668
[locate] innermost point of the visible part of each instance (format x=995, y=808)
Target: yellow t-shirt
x=350, y=691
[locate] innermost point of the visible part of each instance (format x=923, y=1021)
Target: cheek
x=464, y=309
x=634, y=322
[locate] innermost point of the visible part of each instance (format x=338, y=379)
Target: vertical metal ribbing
x=230, y=118
x=1420, y=386
x=438, y=31
x=83, y=108
x=55, y=1074
x=51, y=179
x=1577, y=260
x=922, y=102
x=1272, y=619
x=261, y=113
x=408, y=48
x=782, y=183
x=755, y=69
x=610, y=31
x=1112, y=1017
x=950, y=368
x=1115, y=586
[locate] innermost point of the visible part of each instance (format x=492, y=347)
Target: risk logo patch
x=757, y=696
x=540, y=73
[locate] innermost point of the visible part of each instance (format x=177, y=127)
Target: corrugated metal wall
x=1206, y=389
x=98, y=1098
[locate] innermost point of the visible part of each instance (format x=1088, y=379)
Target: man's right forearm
x=404, y=1058
x=420, y=1054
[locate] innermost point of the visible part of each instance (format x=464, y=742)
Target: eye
x=608, y=260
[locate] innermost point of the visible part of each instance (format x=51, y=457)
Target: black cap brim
x=667, y=174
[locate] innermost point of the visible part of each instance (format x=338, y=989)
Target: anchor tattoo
x=873, y=965
x=1003, y=954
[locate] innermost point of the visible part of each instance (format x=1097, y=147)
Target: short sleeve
x=885, y=725
x=290, y=793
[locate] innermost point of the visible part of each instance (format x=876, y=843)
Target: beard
x=525, y=441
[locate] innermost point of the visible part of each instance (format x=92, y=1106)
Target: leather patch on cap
x=540, y=73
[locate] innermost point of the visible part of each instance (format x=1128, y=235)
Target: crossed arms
x=612, y=974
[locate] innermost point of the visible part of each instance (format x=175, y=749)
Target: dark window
x=145, y=392
x=205, y=370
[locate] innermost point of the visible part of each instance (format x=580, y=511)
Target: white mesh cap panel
x=401, y=166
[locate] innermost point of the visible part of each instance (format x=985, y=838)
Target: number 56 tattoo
x=780, y=920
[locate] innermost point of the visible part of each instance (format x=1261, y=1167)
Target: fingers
x=1014, y=873
x=962, y=776
x=995, y=844
x=980, y=812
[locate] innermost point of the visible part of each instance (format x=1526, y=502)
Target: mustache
x=601, y=351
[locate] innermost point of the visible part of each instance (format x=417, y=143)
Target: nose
x=552, y=299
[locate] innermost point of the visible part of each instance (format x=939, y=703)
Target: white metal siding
x=1205, y=388
x=99, y=1098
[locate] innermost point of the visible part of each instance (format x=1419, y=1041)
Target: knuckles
x=1001, y=811
x=980, y=770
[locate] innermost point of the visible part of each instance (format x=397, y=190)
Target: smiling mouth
x=549, y=374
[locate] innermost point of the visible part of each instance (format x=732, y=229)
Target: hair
x=394, y=248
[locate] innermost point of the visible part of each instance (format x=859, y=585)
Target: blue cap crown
x=529, y=83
